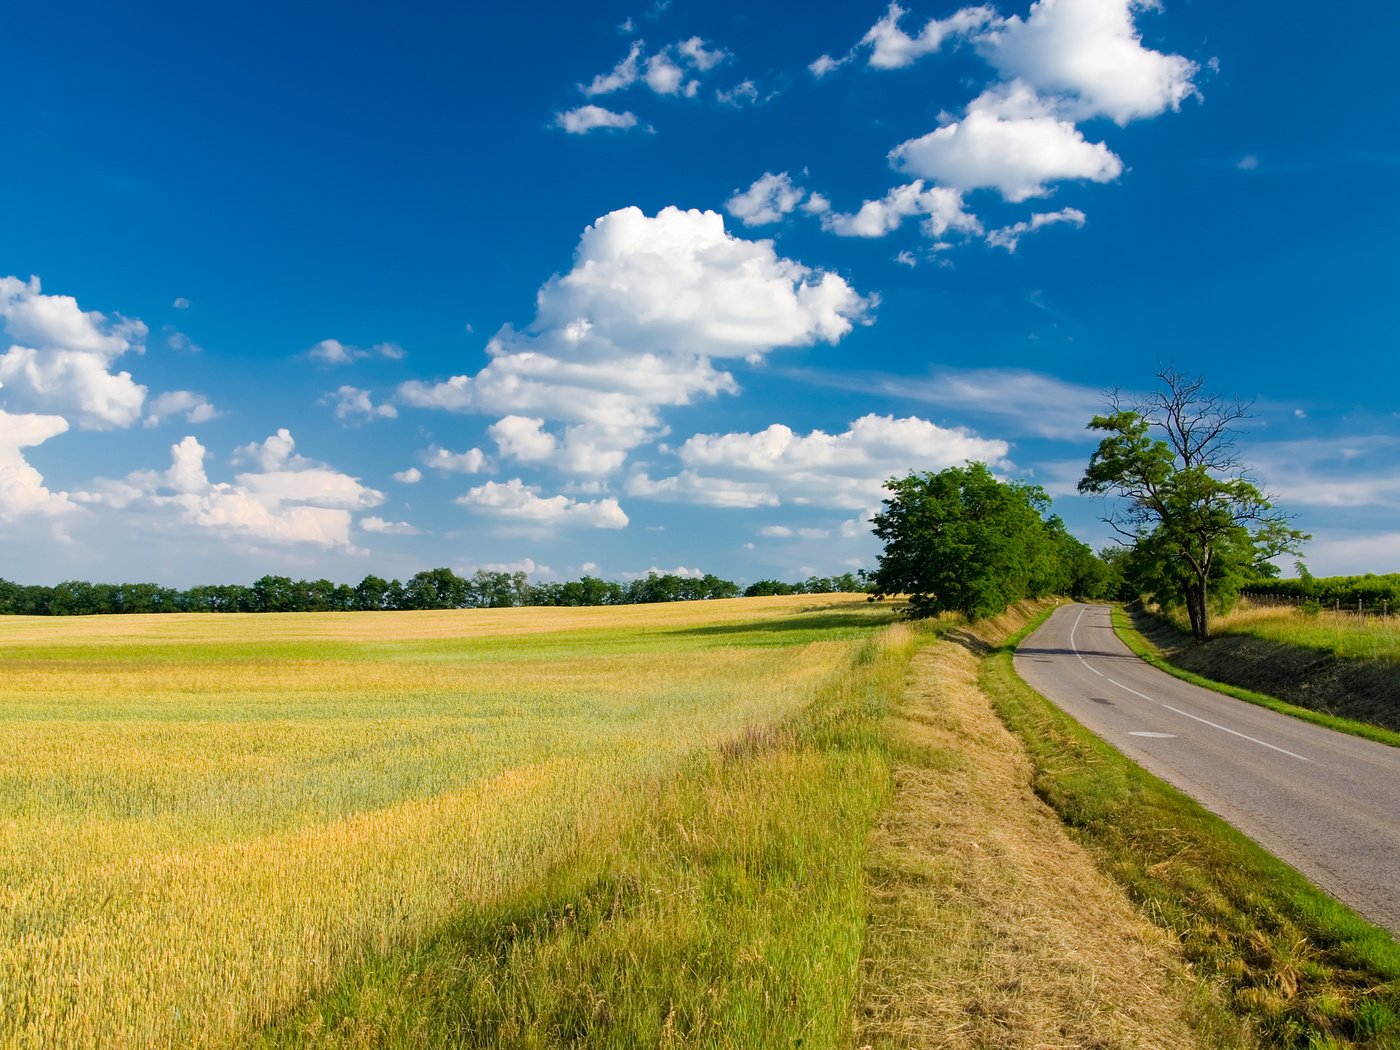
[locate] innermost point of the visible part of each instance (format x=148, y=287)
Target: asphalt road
x=1325, y=802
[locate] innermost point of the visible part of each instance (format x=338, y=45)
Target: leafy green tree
x=436, y=589
x=1198, y=526
x=962, y=541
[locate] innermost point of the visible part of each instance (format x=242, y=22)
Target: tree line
x=1194, y=530
x=431, y=589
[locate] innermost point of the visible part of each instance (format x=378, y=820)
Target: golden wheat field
x=204, y=819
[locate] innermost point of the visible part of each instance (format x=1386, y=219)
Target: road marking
x=1154, y=736
x=1175, y=710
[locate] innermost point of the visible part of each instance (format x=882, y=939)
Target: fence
x=1383, y=607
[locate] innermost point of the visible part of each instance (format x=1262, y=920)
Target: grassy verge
x=1135, y=641
x=1304, y=970
x=731, y=914
x=988, y=926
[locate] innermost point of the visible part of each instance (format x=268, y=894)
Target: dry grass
x=205, y=818
x=989, y=927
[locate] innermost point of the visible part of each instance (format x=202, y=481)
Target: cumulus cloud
x=196, y=408
x=22, y=489
x=767, y=200
x=353, y=403
x=516, y=501
x=1012, y=140
x=666, y=78
x=411, y=476
x=941, y=207
x=472, y=461
x=60, y=357
x=334, y=352
x=522, y=439
x=289, y=499
x=584, y=119
x=777, y=465
x=181, y=303
x=824, y=64
x=1089, y=55
x=892, y=48
x=636, y=326
x=388, y=528
x=1009, y=237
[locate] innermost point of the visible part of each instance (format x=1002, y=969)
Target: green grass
x=1134, y=640
x=1305, y=970
x=1344, y=635
x=731, y=916
x=639, y=824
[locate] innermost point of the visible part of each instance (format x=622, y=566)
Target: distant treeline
x=1374, y=592
x=431, y=589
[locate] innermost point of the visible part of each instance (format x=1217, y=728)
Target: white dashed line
x=1175, y=710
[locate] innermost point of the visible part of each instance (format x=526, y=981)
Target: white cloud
x=196, y=408
x=1022, y=401
x=699, y=56
x=665, y=77
x=690, y=487
x=1010, y=139
x=288, y=500
x=354, y=403
x=1089, y=54
x=767, y=200
x=514, y=500
x=276, y=452
x=60, y=357
x=22, y=490
x=1343, y=555
x=942, y=207
x=472, y=461
x=636, y=325
x=334, y=352
x=744, y=93
x=777, y=465
x=388, y=528
x=776, y=532
x=522, y=439
x=1350, y=471
x=584, y=119
x=411, y=476
x=824, y=64
x=180, y=342
x=622, y=75
x=906, y=258
x=181, y=303
x=892, y=48
x=1009, y=237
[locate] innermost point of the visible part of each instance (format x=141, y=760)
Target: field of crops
x=210, y=824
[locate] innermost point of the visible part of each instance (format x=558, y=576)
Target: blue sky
x=337, y=289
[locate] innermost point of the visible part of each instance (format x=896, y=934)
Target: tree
x=1198, y=526
x=962, y=541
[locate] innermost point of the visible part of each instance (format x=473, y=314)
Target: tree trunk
x=1196, y=608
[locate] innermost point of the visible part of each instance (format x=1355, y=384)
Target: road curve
x=1325, y=802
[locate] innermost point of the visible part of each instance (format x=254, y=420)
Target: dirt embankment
x=1364, y=690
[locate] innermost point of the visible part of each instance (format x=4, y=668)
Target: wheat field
x=206, y=820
